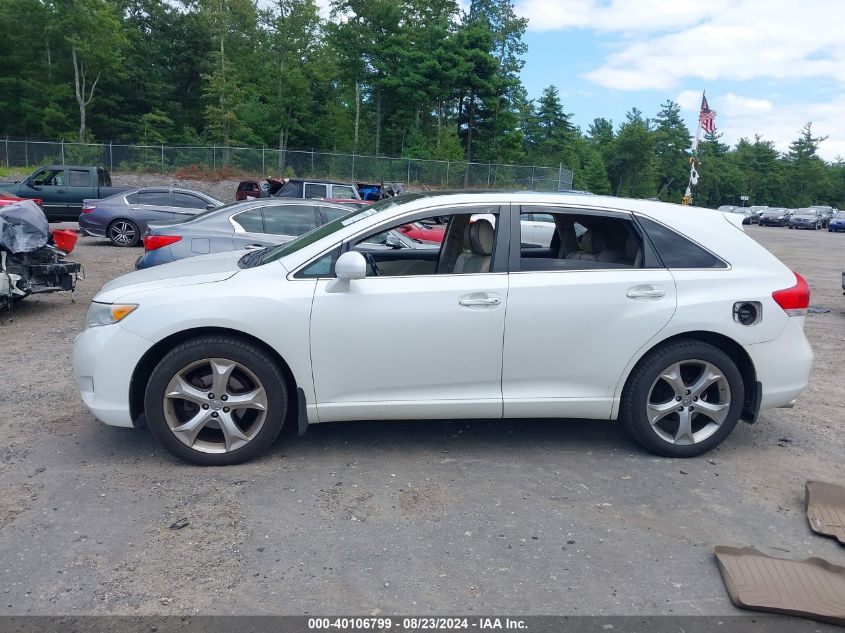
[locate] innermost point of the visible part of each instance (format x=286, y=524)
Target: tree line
x=410, y=78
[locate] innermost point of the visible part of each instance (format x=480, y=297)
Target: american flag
x=707, y=117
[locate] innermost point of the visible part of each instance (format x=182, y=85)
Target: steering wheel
x=373, y=265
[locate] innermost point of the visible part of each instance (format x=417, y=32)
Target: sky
x=768, y=66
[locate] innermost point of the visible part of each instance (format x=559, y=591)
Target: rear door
x=579, y=314
x=153, y=205
x=186, y=205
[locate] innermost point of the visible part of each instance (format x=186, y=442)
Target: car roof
x=321, y=181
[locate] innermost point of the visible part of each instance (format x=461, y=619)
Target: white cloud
x=739, y=116
x=617, y=15
x=662, y=43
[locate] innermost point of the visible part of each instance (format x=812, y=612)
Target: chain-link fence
x=263, y=162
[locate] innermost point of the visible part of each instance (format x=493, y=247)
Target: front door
x=50, y=185
x=413, y=346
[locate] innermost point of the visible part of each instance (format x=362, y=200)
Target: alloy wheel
x=215, y=405
x=123, y=233
x=688, y=402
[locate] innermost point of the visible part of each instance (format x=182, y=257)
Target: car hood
x=184, y=272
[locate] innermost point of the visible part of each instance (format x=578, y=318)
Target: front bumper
x=104, y=359
x=783, y=365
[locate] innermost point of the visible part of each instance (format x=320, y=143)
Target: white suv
x=668, y=318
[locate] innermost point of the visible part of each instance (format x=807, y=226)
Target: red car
x=424, y=232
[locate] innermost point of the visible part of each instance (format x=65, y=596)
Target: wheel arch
x=144, y=368
x=734, y=350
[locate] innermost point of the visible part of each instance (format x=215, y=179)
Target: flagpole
x=687, y=199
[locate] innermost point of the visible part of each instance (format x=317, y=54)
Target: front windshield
x=320, y=232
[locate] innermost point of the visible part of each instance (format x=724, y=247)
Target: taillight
x=794, y=300
x=88, y=208
x=152, y=242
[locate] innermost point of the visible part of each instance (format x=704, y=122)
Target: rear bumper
x=86, y=227
x=783, y=365
x=159, y=256
x=104, y=359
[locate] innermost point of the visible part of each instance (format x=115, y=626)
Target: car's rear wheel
x=123, y=233
x=683, y=399
x=216, y=400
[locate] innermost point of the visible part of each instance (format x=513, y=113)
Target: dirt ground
x=522, y=517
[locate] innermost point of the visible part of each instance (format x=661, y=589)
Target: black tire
x=632, y=412
x=242, y=352
x=123, y=227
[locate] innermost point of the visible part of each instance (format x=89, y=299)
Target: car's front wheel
x=216, y=400
x=683, y=399
x=123, y=233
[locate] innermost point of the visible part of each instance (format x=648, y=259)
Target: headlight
x=107, y=313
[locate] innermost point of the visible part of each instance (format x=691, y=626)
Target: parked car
x=748, y=216
x=776, y=216
x=757, y=210
x=62, y=188
x=373, y=192
x=30, y=261
x=258, y=188
x=218, y=352
x=241, y=225
x=303, y=188
x=806, y=218
x=825, y=212
x=837, y=222
x=123, y=218
x=424, y=232
x=7, y=199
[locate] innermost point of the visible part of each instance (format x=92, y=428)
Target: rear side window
x=289, y=219
x=103, y=178
x=676, y=251
x=332, y=213
x=250, y=221
x=154, y=198
x=188, y=201
x=79, y=178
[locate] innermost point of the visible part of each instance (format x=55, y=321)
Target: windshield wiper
x=252, y=258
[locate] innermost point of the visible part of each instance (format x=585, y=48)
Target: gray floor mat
x=811, y=588
x=826, y=509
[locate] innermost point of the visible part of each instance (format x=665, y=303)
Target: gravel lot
x=523, y=517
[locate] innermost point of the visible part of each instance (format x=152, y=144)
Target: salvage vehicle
x=123, y=218
x=258, y=188
x=250, y=224
x=62, y=188
x=30, y=259
x=321, y=189
x=672, y=320
x=806, y=218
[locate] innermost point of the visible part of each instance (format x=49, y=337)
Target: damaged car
x=31, y=257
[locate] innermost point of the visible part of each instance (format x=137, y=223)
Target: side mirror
x=392, y=241
x=210, y=206
x=351, y=265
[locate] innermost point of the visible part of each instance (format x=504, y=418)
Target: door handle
x=646, y=292
x=479, y=301
x=255, y=246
